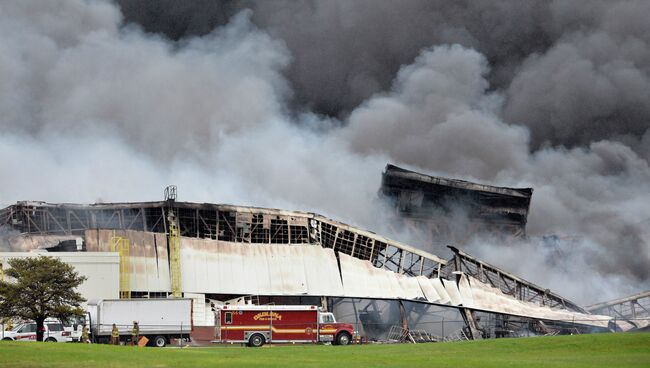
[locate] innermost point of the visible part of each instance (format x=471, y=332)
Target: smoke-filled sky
x=300, y=104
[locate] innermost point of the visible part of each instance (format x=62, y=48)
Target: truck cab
x=332, y=331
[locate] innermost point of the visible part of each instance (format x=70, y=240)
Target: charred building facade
x=214, y=253
x=450, y=211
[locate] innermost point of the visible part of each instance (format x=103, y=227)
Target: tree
x=38, y=288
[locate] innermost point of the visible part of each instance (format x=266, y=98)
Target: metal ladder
x=123, y=246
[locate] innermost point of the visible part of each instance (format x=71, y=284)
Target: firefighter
x=84, y=335
x=115, y=335
x=135, y=333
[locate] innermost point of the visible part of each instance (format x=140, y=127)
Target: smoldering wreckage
x=389, y=291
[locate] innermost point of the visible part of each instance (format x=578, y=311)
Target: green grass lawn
x=603, y=350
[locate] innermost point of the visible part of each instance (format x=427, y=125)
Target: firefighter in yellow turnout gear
x=8, y=324
x=115, y=335
x=135, y=334
x=84, y=334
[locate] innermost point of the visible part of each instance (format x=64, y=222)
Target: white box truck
x=159, y=319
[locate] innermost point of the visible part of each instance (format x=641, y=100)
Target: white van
x=54, y=332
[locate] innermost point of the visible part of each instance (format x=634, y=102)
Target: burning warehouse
x=235, y=102
x=214, y=253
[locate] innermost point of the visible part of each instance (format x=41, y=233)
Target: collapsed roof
x=437, y=203
x=631, y=312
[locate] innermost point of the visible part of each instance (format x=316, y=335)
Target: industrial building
x=214, y=253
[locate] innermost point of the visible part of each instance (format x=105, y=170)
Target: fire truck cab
x=258, y=325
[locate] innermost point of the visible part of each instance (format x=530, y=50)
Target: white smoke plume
x=93, y=107
x=440, y=117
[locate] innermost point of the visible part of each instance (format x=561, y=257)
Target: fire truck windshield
x=327, y=318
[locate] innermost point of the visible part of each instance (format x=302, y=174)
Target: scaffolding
x=174, y=255
x=458, y=335
x=122, y=246
x=398, y=333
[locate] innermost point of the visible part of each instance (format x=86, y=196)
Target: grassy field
x=603, y=350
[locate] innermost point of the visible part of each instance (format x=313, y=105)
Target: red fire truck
x=256, y=325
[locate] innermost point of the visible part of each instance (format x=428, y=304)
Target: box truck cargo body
x=159, y=319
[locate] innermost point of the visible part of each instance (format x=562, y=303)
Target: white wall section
x=221, y=267
x=102, y=270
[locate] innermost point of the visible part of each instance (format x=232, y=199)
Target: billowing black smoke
x=300, y=104
x=572, y=73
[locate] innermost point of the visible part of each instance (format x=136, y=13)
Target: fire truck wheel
x=343, y=339
x=7, y=339
x=256, y=340
x=159, y=341
x=50, y=339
